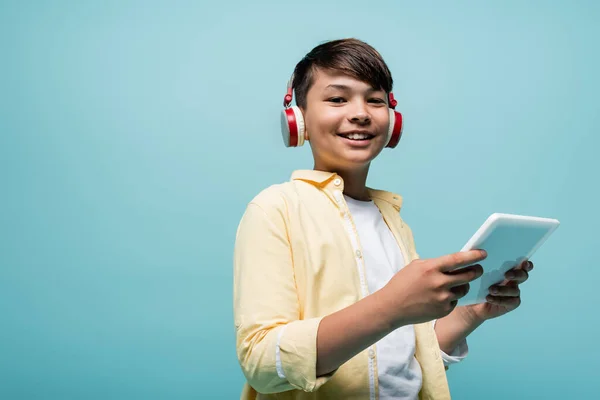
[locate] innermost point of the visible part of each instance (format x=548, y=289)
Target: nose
x=360, y=114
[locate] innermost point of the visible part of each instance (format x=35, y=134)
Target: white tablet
x=508, y=240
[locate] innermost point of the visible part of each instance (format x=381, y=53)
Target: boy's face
x=346, y=121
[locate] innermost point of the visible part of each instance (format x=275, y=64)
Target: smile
x=357, y=135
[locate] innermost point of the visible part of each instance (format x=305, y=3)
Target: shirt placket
x=352, y=232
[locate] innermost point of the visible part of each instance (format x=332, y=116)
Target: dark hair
x=350, y=56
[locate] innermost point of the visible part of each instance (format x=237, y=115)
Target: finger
x=517, y=275
x=453, y=261
x=505, y=291
x=460, y=291
x=508, y=302
x=453, y=305
x=463, y=275
x=526, y=265
x=529, y=266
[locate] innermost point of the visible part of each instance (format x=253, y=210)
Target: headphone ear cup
x=292, y=127
x=395, y=128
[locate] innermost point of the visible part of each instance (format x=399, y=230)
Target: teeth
x=357, y=136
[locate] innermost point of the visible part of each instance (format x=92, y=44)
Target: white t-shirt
x=399, y=371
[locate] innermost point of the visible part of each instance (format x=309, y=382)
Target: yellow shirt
x=297, y=258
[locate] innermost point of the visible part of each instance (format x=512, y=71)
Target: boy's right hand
x=429, y=289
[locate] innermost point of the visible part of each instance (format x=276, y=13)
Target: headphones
x=293, y=129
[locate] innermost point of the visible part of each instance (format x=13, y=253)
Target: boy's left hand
x=503, y=298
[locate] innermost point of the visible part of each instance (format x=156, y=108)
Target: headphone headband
x=287, y=100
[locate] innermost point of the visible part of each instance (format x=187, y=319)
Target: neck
x=355, y=181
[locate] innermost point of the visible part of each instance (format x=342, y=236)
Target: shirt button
x=358, y=254
x=337, y=182
x=371, y=353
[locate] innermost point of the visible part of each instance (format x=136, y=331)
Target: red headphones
x=293, y=130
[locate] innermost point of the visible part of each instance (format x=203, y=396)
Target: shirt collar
x=310, y=175
x=331, y=181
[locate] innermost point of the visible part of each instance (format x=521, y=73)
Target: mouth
x=357, y=136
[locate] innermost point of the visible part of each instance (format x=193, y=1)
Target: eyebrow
x=345, y=87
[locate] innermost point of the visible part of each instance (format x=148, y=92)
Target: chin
x=361, y=155
x=357, y=160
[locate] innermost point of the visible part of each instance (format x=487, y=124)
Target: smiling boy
x=331, y=299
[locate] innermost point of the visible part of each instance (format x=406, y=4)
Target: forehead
x=332, y=79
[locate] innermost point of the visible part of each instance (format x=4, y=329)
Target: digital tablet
x=508, y=240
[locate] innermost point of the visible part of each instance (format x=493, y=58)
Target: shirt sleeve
x=275, y=348
x=459, y=353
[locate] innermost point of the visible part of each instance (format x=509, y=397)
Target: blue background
x=134, y=133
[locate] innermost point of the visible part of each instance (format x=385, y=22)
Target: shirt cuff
x=459, y=353
x=296, y=355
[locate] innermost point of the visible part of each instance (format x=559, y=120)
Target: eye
x=377, y=101
x=336, y=100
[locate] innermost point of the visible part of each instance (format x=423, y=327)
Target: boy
x=331, y=300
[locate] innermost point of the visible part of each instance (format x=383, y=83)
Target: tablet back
x=508, y=239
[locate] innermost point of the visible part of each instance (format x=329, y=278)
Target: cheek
x=382, y=118
x=323, y=121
